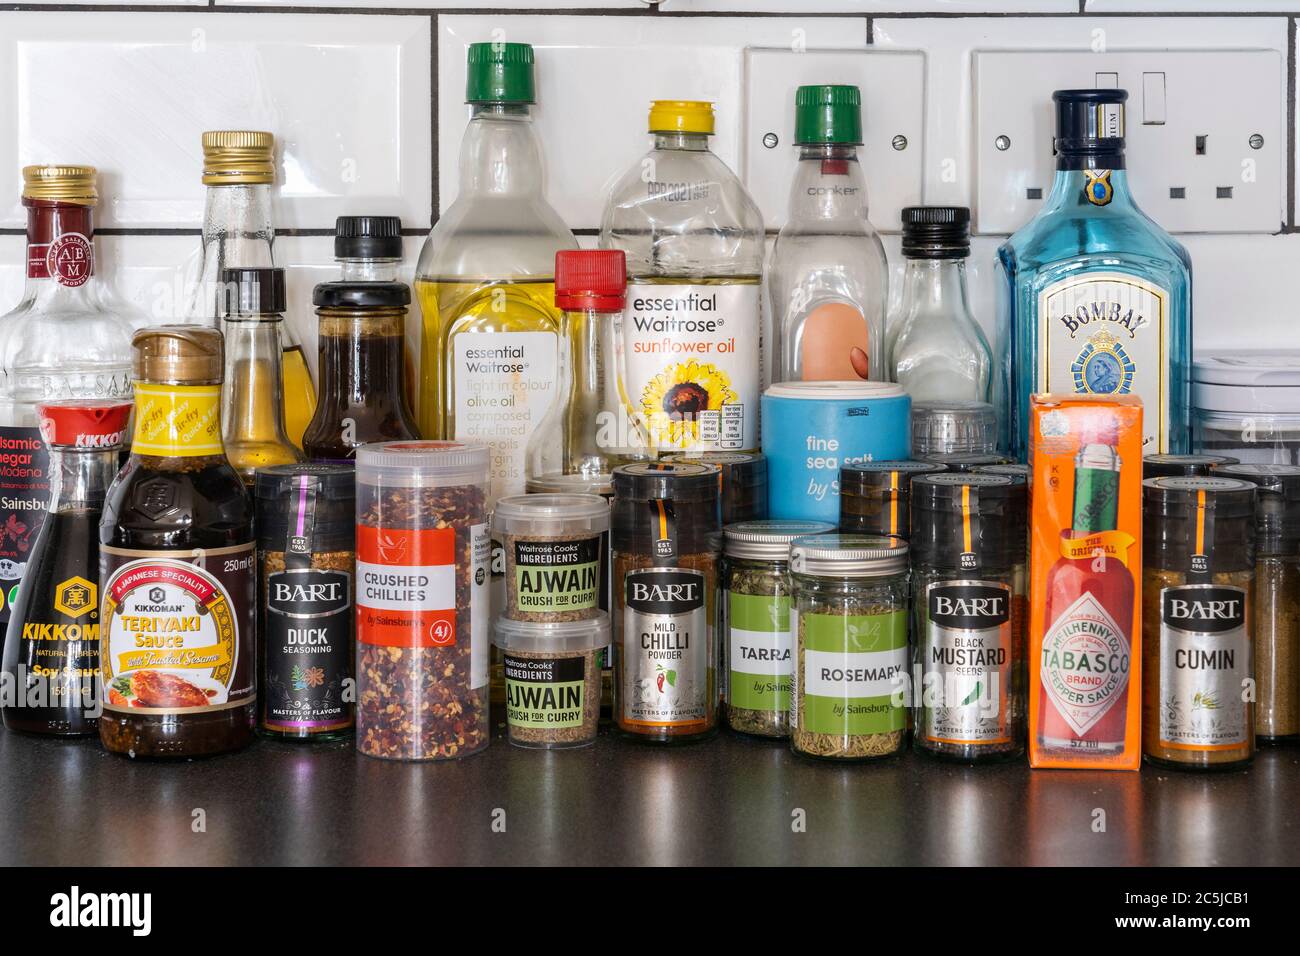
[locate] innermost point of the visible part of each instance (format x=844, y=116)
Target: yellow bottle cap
x=238, y=157
x=681, y=116
x=71, y=184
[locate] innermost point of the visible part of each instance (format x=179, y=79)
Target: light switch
x=1153, y=99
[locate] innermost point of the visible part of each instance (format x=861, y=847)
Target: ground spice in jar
x=1277, y=598
x=422, y=599
x=850, y=688
x=554, y=555
x=1198, y=583
x=742, y=483
x=1186, y=466
x=875, y=496
x=666, y=541
x=306, y=532
x=552, y=673
x=757, y=647
x=968, y=542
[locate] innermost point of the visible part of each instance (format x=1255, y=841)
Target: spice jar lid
x=361, y=295
x=423, y=464
x=1011, y=469
x=551, y=636
x=947, y=428
x=306, y=508
x=178, y=355
x=1169, y=466
x=848, y=554
x=547, y=514
x=969, y=520
x=87, y=423
x=866, y=477
x=768, y=540
x=1277, y=508
x=967, y=461
x=678, y=480
x=1198, y=524
x=602, y=485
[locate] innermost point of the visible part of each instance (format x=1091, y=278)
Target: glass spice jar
x=1277, y=598
x=1187, y=466
x=875, y=496
x=666, y=541
x=552, y=674
x=756, y=646
x=742, y=483
x=968, y=561
x=1198, y=588
x=1012, y=470
x=850, y=680
x=422, y=599
x=306, y=543
x=967, y=461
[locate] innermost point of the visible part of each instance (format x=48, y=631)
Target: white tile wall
x=352, y=89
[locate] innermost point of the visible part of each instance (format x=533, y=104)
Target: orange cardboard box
x=1085, y=685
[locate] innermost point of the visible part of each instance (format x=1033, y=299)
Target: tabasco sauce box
x=1086, y=571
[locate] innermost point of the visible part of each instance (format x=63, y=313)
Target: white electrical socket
x=893, y=125
x=1205, y=128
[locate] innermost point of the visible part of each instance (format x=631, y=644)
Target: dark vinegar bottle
x=178, y=565
x=51, y=649
x=362, y=336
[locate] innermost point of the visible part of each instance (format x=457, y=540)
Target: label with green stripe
x=852, y=667
x=760, y=651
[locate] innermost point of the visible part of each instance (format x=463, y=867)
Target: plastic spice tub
x=1246, y=404
x=554, y=555
x=552, y=673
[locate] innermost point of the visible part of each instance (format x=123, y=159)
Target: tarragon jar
x=849, y=692
x=756, y=644
x=422, y=599
x=968, y=543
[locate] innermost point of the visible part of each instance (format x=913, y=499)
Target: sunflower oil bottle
x=489, y=337
x=691, y=333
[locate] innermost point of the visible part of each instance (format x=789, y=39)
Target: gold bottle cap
x=74, y=184
x=238, y=157
x=178, y=355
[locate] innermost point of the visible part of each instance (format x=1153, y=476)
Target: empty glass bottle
x=827, y=279
x=691, y=336
x=937, y=350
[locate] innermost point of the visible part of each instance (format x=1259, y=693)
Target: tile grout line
x=1290, y=122
x=213, y=6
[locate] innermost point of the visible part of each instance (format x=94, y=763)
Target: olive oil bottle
x=489, y=334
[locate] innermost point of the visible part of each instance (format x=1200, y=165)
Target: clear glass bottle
x=1097, y=296
x=238, y=171
x=59, y=342
x=937, y=350
x=485, y=278
x=51, y=649
x=694, y=242
x=587, y=430
x=827, y=279
x=252, y=407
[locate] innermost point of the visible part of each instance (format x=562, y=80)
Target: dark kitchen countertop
x=729, y=800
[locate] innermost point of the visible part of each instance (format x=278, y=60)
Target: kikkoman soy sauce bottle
x=177, y=565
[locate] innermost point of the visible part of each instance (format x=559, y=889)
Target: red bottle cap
x=84, y=422
x=593, y=279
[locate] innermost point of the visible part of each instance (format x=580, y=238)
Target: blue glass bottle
x=1097, y=298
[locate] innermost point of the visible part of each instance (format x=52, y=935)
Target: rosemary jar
x=666, y=541
x=1277, y=598
x=849, y=689
x=756, y=644
x=1198, y=587
x=968, y=549
x=875, y=496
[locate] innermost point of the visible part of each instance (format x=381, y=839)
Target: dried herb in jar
x=1198, y=584
x=422, y=602
x=875, y=496
x=666, y=540
x=552, y=673
x=554, y=549
x=850, y=685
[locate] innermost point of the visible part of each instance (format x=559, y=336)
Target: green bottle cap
x=828, y=114
x=499, y=73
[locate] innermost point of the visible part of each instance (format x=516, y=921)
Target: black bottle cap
x=368, y=237
x=675, y=480
x=253, y=291
x=1090, y=121
x=936, y=232
x=1187, y=466
x=313, y=503
x=361, y=295
x=967, y=461
x=742, y=482
x=1201, y=525
x=969, y=522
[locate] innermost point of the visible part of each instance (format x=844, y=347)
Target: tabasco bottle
x=1087, y=472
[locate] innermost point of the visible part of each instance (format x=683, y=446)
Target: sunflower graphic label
x=692, y=360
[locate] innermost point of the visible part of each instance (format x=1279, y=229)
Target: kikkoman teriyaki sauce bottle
x=177, y=565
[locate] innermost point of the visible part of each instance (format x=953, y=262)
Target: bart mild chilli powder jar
x=666, y=541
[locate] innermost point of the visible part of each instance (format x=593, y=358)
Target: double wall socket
x=893, y=125
x=1205, y=128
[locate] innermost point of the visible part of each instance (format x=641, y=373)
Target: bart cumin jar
x=1198, y=590
x=666, y=540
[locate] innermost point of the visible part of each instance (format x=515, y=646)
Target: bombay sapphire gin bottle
x=1099, y=296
